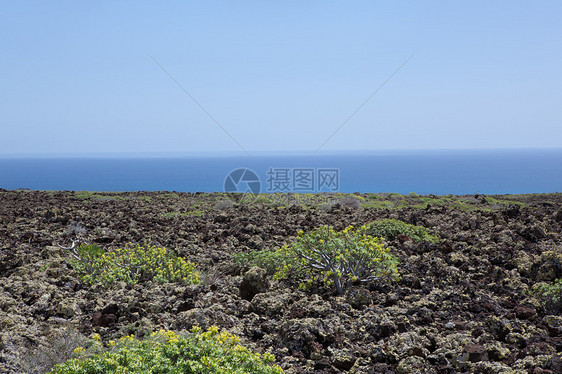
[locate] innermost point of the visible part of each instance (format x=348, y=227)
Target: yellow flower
x=78, y=351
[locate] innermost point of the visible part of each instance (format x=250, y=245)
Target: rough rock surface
x=255, y=281
x=462, y=305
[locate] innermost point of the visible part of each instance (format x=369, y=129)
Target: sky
x=104, y=77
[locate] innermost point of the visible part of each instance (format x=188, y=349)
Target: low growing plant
x=389, y=229
x=550, y=295
x=339, y=258
x=209, y=352
x=132, y=264
x=57, y=349
x=350, y=202
x=271, y=261
x=224, y=204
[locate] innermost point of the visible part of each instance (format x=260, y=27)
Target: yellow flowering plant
x=132, y=264
x=166, y=352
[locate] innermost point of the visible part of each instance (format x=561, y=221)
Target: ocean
x=423, y=172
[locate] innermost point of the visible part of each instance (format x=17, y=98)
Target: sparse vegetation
x=266, y=259
x=167, y=352
x=224, y=204
x=550, y=295
x=350, y=202
x=466, y=304
x=389, y=229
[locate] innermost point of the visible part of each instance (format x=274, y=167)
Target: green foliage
x=132, y=264
x=550, y=294
x=396, y=201
x=167, y=352
x=83, y=195
x=271, y=261
x=339, y=258
x=379, y=204
x=389, y=229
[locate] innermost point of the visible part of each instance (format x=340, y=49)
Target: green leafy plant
x=209, y=352
x=389, y=229
x=550, y=295
x=339, y=258
x=132, y=264
x=266, y=259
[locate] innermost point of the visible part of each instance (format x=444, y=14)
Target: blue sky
x=77, y=77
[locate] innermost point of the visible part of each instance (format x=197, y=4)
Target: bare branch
x=72, y=247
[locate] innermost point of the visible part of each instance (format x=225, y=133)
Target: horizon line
x=235, y=153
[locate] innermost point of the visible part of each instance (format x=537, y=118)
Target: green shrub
x=266, y=259
x=550, y=295
x=338, y=258
x=389, y=229
x=132, y=264
x=167, y=352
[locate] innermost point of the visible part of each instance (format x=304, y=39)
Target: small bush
x=224, y=204
x=326, y=207
x=266, y=259
x=389, y=229
x=550, y=295
x=350, y=202
x=167, y=352
x=58, y=349
x=75, y=229
x=132, y=264
x=339, y=258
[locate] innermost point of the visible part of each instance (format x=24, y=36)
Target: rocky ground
x=462, y=305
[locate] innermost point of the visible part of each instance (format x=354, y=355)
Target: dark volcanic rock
x=255, y=281
x=106, y=317
x=476, y=352
x=525, y=312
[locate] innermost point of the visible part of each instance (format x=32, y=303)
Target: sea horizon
x=257, y=153
x=437, y=171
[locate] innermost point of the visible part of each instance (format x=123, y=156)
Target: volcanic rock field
x=462, y=305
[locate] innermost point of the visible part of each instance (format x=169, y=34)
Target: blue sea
x=423, y=172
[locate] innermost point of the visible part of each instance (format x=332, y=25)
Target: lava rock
x=525, y=312
x=358, y=297
x=476, y=353
x=254, y=282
